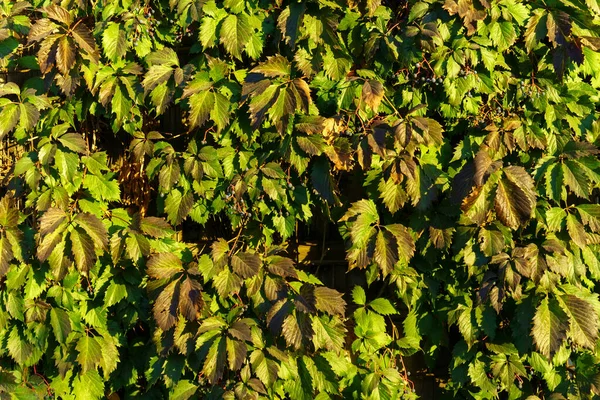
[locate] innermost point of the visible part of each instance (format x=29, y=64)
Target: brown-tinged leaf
x=9, y=214
x=576, y=231
x=93, y=227
x=282, y=266
x=6, y=255
x=165, y=306
x=329, y=301
x=583, y=326
x=65, y=55
x=82, y=247
x=59, y=14
x=277, y=314
x=302, y=91
x=164, y=266
x=515, y=202
x=275, y=66
x=590, y=215
x=190, y=298
x=48, y=244
x=156, y=227
x=245, y=265
x=41, y=29
x=311, y=124
x=240, y=330
x=483, y=162
x=291, y=332
x=405, y=242
x=51, y=220
x=386, y=252
x=85, y=40
x=236, y=353
x=372, y=93
x=305, y=301
x=47, y=53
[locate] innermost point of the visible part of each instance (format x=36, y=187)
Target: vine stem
x=237, y=238
x=48, y=388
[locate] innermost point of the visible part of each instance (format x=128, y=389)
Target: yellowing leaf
x=372, y=93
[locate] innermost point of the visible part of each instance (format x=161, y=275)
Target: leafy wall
x=161, y=161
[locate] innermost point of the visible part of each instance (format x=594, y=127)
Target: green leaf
x=235, y=32
x=265, y=369
x=61, y=324
x=227, y=283
x=201, y=106
x=18, y=348
x=29, y=116
x=9, y=116
x=555, y=218
x=549, y=327
x=220, y=112
x=183, y=390
x=215, y=360
x=114, y=294
x=102, y=188
x=383, y=306
x=89, y=353
x=208, y=32
x=166, y=56
x=328, y=333
x=236, y=353
x=88, y=386
x=358, y=295
x=157, y=75
x=114, y=42
x=178, y=206
x=575, y=179
x=492, y=241
x=110, y=355
x=393, y=195
x=336, y=66
x=503, y=35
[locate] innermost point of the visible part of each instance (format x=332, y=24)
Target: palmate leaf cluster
x=174, y=153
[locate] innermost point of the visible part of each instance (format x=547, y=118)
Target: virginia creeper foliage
x=172, y=155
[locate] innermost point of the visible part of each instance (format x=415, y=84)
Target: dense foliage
x=454, y=145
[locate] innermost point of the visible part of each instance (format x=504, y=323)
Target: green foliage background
x=454, y=144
